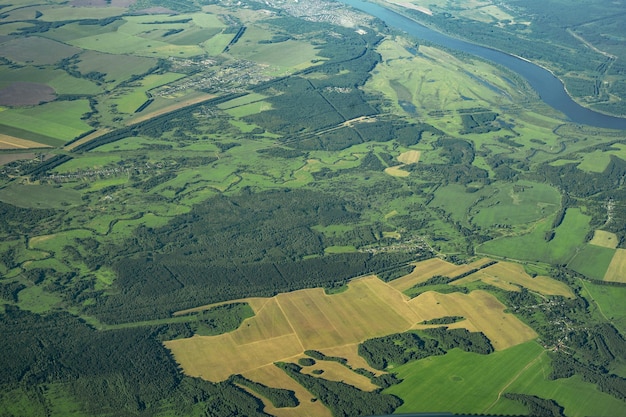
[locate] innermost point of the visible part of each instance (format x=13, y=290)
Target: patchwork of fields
x=288, y=324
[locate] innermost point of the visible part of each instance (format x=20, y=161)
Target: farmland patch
x=511, y=277
x=617, y=268
x=290, y=323
x=37, y=51
x=604, y=239
x=24, y=93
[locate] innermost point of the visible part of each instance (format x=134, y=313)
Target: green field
x=592, y=261
x=59, y=120
x=532, y=246
x=432, y=384
x=609, y=302
x=40, y=196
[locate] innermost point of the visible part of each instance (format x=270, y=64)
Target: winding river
x=549, y=88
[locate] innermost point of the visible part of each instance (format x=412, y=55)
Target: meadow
x=520, y=369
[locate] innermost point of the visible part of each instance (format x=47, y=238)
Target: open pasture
x=598, y=160
x=510, y=276
x=517, y=203
x=577, y=397
x=457, y=201
x=283, y=57
x=433, y=80
x=55, y=243
x=427, y=269
x=59, y=80
x=460, y=382
x=609, y=301
x=117, y=68
x=617, y=268
x=532, y=246
x=290, y=323
x=592, y=261
x=59, y=120
x=135, y=97
x=39, y=196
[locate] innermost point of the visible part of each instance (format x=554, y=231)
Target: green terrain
x=160, y=155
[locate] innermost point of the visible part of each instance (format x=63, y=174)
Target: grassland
x=592, y=261
x=58, y=120
x=482, y=380
x=40, y=196
x=532, y=246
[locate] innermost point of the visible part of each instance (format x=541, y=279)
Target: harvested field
x=290, y=323
x=617, y=267
x=397, y=172
x=11, y=142
x=511, y=277
x=482, y=311
x=429, y=268
x=272, y=376
x=26, y=94
x=350, y=353
x=335, y=371
x=604, y=239
x=409, y=157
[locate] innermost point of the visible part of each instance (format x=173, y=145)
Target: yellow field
x=409, y=157
x=272, y=376
x=604, y=239
x=511, y=277
x=11, y=142
x=617, y=267
x=334, y=371
x=286, y=325
x=483, y=312
x=397, y=172
x=429, y=268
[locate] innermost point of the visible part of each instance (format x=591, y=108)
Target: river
x=549, y=87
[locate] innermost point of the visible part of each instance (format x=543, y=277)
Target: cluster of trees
x=342, y=399
x=400, y=348
x=537, y=406
x=479, y=122
x=280, y=398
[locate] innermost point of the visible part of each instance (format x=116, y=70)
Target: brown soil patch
x=6, y=158
x=26, y=94
x=11, y=142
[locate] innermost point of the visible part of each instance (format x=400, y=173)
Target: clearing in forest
x=407, y=158
x=617, y=267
